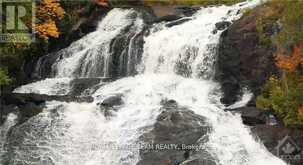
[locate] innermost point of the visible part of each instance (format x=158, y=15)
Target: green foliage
x=288, y=15
x=284, y=97
x=292, y=23
x=4, y=79
x=267, y=18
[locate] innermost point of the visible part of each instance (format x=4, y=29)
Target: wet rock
x=168, y=18
x=29, y=110
x=23, y=98
x=177, y=22
x=108, y=112
x=124, y=55
x=169, y=103
x=5, y=110
x=112, y=101
x=175, y=126
x=230, y=88
x=79, y=85
x=222, y=25
x=252, y=116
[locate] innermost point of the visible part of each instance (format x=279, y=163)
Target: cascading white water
x=79, y=134
x=11, y=120
x=90, y=56
x=51, y=86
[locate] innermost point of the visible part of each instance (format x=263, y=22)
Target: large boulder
x=112, y=101
x=177, y=22
x=175, y=135
x=5, y=110
x=242, y=59
x=80, y=86
x=222, y=25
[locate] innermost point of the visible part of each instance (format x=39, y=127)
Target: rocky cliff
x=242, y=60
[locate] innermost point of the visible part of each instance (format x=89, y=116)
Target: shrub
x=4, y=79
x=285, y=101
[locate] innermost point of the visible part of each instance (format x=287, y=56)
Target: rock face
x=112, y=101
x=252, y=116
x=223, y=25
x=176, y=126
x=177, y=22
x=80, y=85
x=283, y=142
x=22, y=98
x=242, y=60
x=5, y=110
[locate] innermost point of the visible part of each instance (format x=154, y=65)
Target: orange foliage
x=47, y=29
x=47, y=12
x=50, y=9
x=292, y=62
x=103, y=3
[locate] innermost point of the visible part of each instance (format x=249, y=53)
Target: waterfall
x=91, y=56
x=177, y=63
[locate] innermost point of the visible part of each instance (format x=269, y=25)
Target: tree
x=292, y=62
x=48, y=12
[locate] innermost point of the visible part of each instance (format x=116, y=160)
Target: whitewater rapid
x=177, y=63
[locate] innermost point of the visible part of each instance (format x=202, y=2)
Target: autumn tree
x=48, y=12
x=292, y=62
